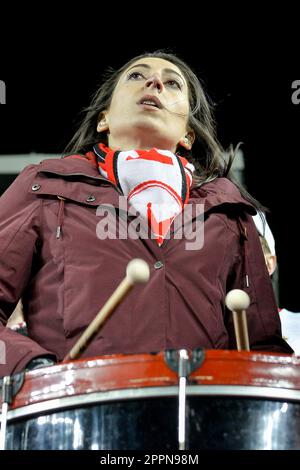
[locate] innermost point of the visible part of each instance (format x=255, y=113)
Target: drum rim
x=67, y=403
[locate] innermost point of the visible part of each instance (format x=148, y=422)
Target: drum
x=234, y=400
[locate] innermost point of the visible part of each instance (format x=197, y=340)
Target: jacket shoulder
x=222, y=192
x=221, y=186
x=19, y=193
x=29, y=171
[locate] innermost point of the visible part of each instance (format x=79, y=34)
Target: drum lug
x=183, y=362
x=195, y=359
x=10, y=386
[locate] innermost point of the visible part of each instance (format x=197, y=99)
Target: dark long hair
x=208, y=156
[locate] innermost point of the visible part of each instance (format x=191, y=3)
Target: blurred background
x=50, y=74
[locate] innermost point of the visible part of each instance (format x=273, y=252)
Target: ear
x=271, y=262
x=187, y=140
x=102, y=125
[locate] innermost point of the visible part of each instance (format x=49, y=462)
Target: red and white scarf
x=155, y=182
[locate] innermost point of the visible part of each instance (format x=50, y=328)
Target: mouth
x=150, y=101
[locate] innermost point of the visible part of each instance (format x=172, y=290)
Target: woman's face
x=149, y=107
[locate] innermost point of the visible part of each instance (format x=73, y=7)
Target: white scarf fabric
x=155, y=182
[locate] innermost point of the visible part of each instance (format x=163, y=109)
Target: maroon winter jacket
x=51, y=256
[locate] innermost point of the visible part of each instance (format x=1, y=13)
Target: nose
x=154, y=82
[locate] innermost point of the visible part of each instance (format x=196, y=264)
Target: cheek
x=116, y=111
x=180, y=105
x=121, y=104
x=185, y=106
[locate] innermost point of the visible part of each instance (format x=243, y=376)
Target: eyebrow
x=147, y=66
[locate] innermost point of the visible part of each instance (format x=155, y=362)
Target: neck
x=146, y=142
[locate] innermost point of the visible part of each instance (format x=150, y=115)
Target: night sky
x=52, y=73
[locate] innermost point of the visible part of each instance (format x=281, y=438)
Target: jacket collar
x=215, y=193
x=72, y=165
x=218, y=192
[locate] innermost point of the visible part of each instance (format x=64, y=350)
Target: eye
x=174, y=84
x=135, y=76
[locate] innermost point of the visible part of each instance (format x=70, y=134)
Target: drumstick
x=137, y=271
x=237, y=301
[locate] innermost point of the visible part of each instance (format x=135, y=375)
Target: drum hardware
x=237, y=301
x=182, y=373
x=196, y=358
x=181, y=362
x=10, y=387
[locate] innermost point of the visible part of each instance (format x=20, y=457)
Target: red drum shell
x=234, y=400
x=107, y=373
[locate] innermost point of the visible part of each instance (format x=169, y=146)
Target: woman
x=290, y=321
x=148, y=136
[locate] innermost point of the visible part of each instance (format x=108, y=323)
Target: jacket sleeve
x=263, y=320
x=19, y=232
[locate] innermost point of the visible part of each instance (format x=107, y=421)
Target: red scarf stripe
x=154, y=183
x=108, y=167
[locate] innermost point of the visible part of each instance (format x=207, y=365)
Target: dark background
x=248, y=64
